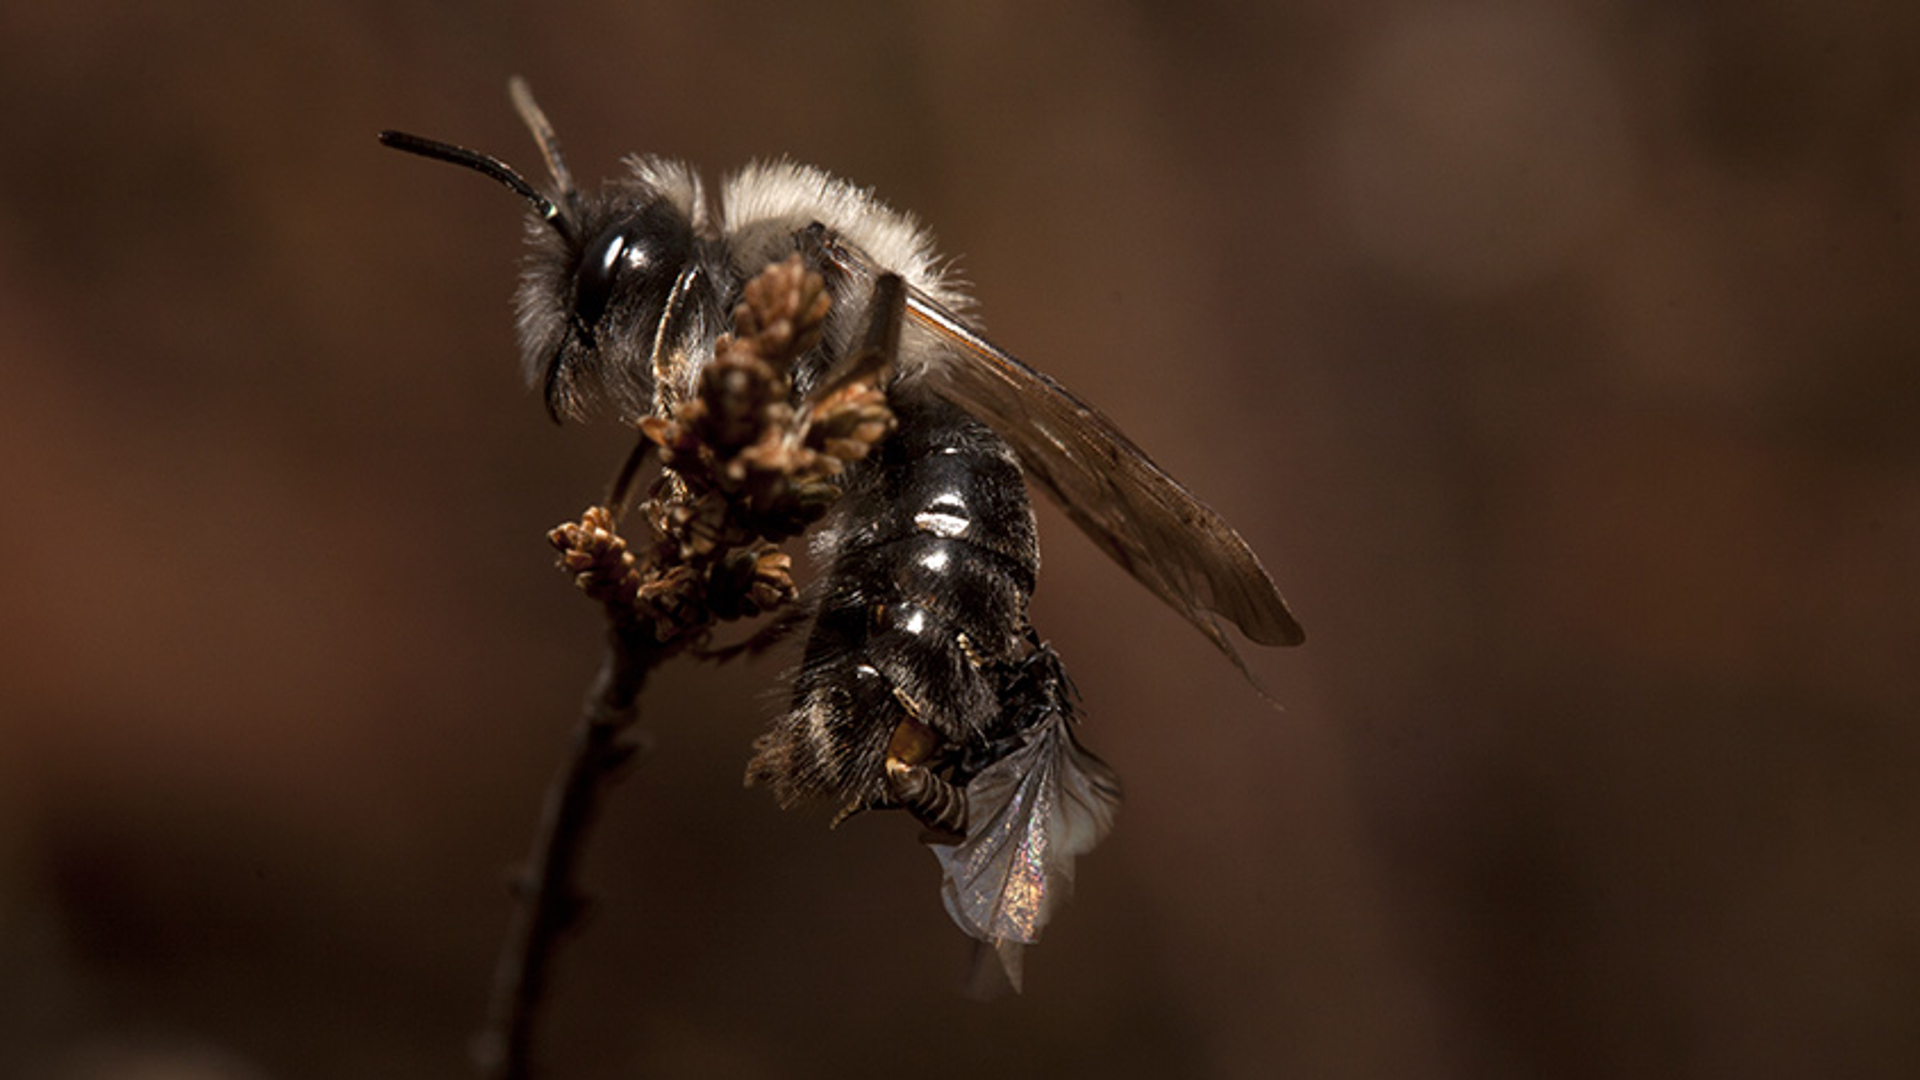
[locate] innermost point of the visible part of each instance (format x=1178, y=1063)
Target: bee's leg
x=939, y=805
x=875, y=346
x=934, y=802
x=620, y=491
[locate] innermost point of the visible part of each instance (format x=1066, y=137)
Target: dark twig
x=550, y=901
x=744, y=469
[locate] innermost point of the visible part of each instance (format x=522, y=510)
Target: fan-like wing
x=1144, y=519
x=1030, y=815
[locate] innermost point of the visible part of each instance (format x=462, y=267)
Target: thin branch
x=551, y=902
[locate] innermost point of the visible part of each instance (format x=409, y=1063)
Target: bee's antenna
x=536, y=122
x=547, y=210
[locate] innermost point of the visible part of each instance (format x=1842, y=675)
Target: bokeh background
x=1558, y=357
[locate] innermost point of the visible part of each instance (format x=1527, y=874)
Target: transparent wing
x=1144, y=519
x=1030, y=814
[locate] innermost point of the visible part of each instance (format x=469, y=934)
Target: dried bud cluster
x=746, y=469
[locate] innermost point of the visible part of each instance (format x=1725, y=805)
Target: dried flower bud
x=744, y=468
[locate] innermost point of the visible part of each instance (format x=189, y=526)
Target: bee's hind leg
x=933, y=801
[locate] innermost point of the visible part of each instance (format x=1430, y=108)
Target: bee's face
x=596, y=292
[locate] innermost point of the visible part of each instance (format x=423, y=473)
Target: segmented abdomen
x=931, y=557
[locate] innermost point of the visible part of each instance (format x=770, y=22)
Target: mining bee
x=923, y=685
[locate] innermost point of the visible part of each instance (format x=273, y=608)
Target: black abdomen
x=930, y=559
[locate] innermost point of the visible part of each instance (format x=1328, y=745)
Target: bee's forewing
x=1144, y=519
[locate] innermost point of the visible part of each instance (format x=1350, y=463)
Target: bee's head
x=608, y=273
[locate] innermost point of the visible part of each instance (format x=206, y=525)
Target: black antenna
x=490, y=166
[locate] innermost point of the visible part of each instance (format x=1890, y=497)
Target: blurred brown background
x=1559, y=359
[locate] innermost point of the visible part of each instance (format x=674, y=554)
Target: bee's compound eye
x=631, y=264
x=600, y=267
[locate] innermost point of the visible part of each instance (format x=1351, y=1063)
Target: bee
x=923, y=684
